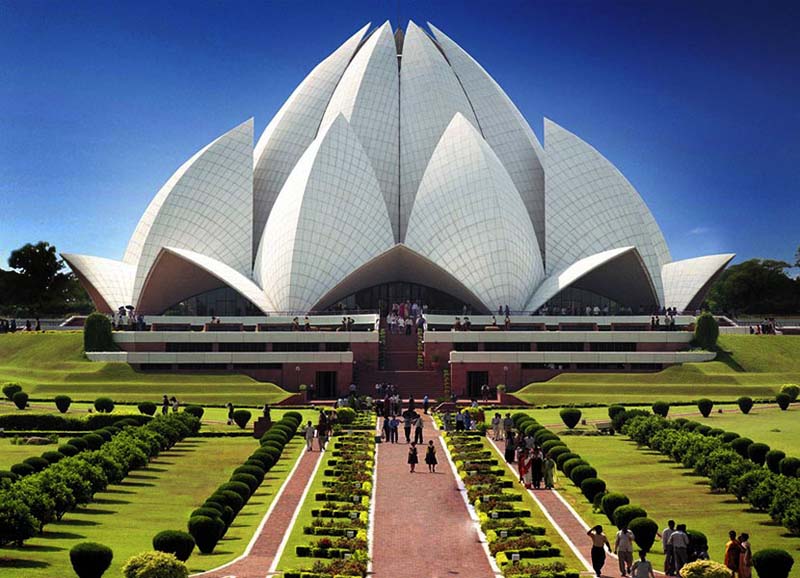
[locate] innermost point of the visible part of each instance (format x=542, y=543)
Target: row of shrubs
x=51, y=422
x=209, y=523
x=91, y=560
x=749, y=470
x=28, y=504
x=496, y=499
x=338, y=532
x=615, y=505
x=91, y=441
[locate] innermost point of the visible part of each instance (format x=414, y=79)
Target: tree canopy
x=756, y=286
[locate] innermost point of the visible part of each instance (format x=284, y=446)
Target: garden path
x=572, y=527
x=261, y=552
x=421, y=523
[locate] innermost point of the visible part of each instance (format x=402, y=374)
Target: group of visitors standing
x=405, y=316
x=430, y=457
x=321, y=431
x=171, y=402
x=738, y=555
x=411, y=421
x=10, y=325
x=623, y=548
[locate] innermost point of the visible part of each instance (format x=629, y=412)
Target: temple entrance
x=476, y=380
x=381, y=297
x=326, y=385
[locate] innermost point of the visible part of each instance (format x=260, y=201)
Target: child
x=413, y=460
x=430, y=457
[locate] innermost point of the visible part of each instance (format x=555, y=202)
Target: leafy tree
x=97, y=333
x=706, y=331
x=16, y=522
x=756, y=286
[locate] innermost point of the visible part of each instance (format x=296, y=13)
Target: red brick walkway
x=422, y=527
x=256, y=563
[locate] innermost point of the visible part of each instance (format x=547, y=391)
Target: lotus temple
x=399, y=170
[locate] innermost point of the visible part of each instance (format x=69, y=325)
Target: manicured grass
x=13, y=454
x=755, y=366
x=669, y=491
x=538, y=519
x=128, y=515
x=50, y=364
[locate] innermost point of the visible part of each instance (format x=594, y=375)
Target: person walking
x=308, y=432
x=426, y=402
x=746, y=557
x=322, y=435
x=394, y=425
x=413, y=459
x=459, y=420
x=669, y=556
x=733, y=553
x=679, y=540
x=497, y=422
x=549, y=472
x=173, y=401
x=510, y=448
x=418, y=424
x=508, y=425
x=599, y=545
x=165, y=406
x=642, y=568
x=229, y=405
x=623, y=548
x=430, y=457
x=537, y=468
x=408, y=417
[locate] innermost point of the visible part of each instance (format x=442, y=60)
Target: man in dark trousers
x=408, y=417
x=418, y=429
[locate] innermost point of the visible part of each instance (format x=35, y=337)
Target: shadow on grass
x=179, y=451
x=40, y=548
x=152, y=469
x=726, y=358
x=76, y=523
x=95, y=512
x=48, y=535
x=21, y=563
x=141, y=477
x=110, y=502
x=115, y=490
x=137, y=484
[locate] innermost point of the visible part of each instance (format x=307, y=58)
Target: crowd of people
x=169, y=402
x=405, y=317
x=321, y=432
x=769, y=326
x=10, y=325
x=669, y=321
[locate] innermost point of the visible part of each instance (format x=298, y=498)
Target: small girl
x=430, y=457
x=413, y=460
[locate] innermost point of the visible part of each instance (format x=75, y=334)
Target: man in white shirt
x=679, y=540
x=669, y=558
x=642, y=568
x=623, y=548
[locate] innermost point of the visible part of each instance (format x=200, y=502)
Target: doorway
x=475, y=380
x=326, y=385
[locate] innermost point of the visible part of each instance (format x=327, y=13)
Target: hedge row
x=53, y=422
x=27, y=505
x=507, y=531
x=734, y=464
x=209, y=523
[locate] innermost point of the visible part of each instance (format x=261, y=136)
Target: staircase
x=401, y=370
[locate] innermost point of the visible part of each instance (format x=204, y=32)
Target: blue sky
x=695, y=102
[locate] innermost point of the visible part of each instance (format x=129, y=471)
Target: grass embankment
x=50, y=364
x=755, y=366
x=669, y=491
x=160, y=497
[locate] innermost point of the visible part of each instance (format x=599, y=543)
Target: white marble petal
x=687, y=281
x=469, y=219
x=503, y=127
x=293, y=128
x=329, y=219
x=206, y=206
x=430, y=95
x=108, y=282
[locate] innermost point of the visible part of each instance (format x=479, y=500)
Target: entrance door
x=326, y=385
x=476, y=379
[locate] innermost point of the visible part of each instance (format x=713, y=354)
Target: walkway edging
x=371, y=528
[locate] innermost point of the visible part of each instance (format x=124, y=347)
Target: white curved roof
x=503, y=127
x=590, y=207
x=429, y=97
x=171, y=281
x=686, y=282
x=469, y=219
x=329, y=219
x=109, y=282
x=293, y=128
x=367, y=97
x=206, y=206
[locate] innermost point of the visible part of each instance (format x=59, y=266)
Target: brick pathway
x=422, y=526
x=256, y=563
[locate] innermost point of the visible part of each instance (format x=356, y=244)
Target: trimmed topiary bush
x=251, y=481
x=570, y=465
x=703, y=429
x=37, y=463
x=757, y=453
x=68, y=449
x=592, y=487
x=206, y=532
x=255, y=471
x=661, y=408
x=614, y=410
x=194, y=410
x=745, y=404
x=705, y=406
x=94, y=440
x=564, y=458
x=550, y=444
x=580, y=473
x=706, y=331
x=63, y=402
x=741, y=445
x=10, y=389
x=773, y=460
x=792, y=390
x=90, y=559
x=624, y=515
x=728, y=436
x=237, y=487
x=179, y=544
x=570, y=416
x=345, y=415
x=644, y=530
x=788, y=466
x=154, y=565
x=611, y=502
x=705, y=569
x=783, y=400
x=53, y=457
x=773, y=563
x=241, y=417
x=20, y=399
x=147, y=408
x=79, y=443
x=97, y=333
x=21, y=470
x=104, y=404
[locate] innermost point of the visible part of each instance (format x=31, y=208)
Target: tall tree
x=756, y=286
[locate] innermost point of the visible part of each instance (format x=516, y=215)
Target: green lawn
x=50, y=364
x=748, y=365
x=128, y=515
x=669, y=491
